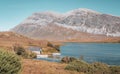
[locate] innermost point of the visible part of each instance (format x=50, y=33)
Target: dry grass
x=9, y=39
x=44, y=67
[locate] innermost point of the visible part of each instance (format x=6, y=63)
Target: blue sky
x=12, y=12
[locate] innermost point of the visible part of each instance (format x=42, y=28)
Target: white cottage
x=35, y=49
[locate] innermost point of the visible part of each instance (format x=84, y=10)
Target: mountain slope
x=79, y=24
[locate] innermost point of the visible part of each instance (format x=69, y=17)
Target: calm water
x=93, y=52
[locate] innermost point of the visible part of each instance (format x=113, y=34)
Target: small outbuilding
x=35, y=49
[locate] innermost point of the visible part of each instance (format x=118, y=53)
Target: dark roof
x=34, y=48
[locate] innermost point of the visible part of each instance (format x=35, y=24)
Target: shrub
x=57, y=47
x=49, y=44
x=94, y=68
x=115, y=69
x=9, y=63
x=79, y=66
x=68, y=59
x=19, y=50
x=32, y=55
x=100, y=68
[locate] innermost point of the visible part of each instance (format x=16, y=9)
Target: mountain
x=80, y=24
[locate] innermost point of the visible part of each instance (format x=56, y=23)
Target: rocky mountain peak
x=79, y=20
x=82, y=11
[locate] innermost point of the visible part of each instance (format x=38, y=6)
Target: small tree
x=21, y=51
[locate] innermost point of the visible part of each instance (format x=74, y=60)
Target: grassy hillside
x=44, y=67
x=9, y=39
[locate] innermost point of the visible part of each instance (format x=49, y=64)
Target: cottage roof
x=34, y=48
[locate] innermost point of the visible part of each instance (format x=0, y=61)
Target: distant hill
x=8, y=39
x=83, y=25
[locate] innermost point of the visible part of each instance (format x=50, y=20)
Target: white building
x=35, y=49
